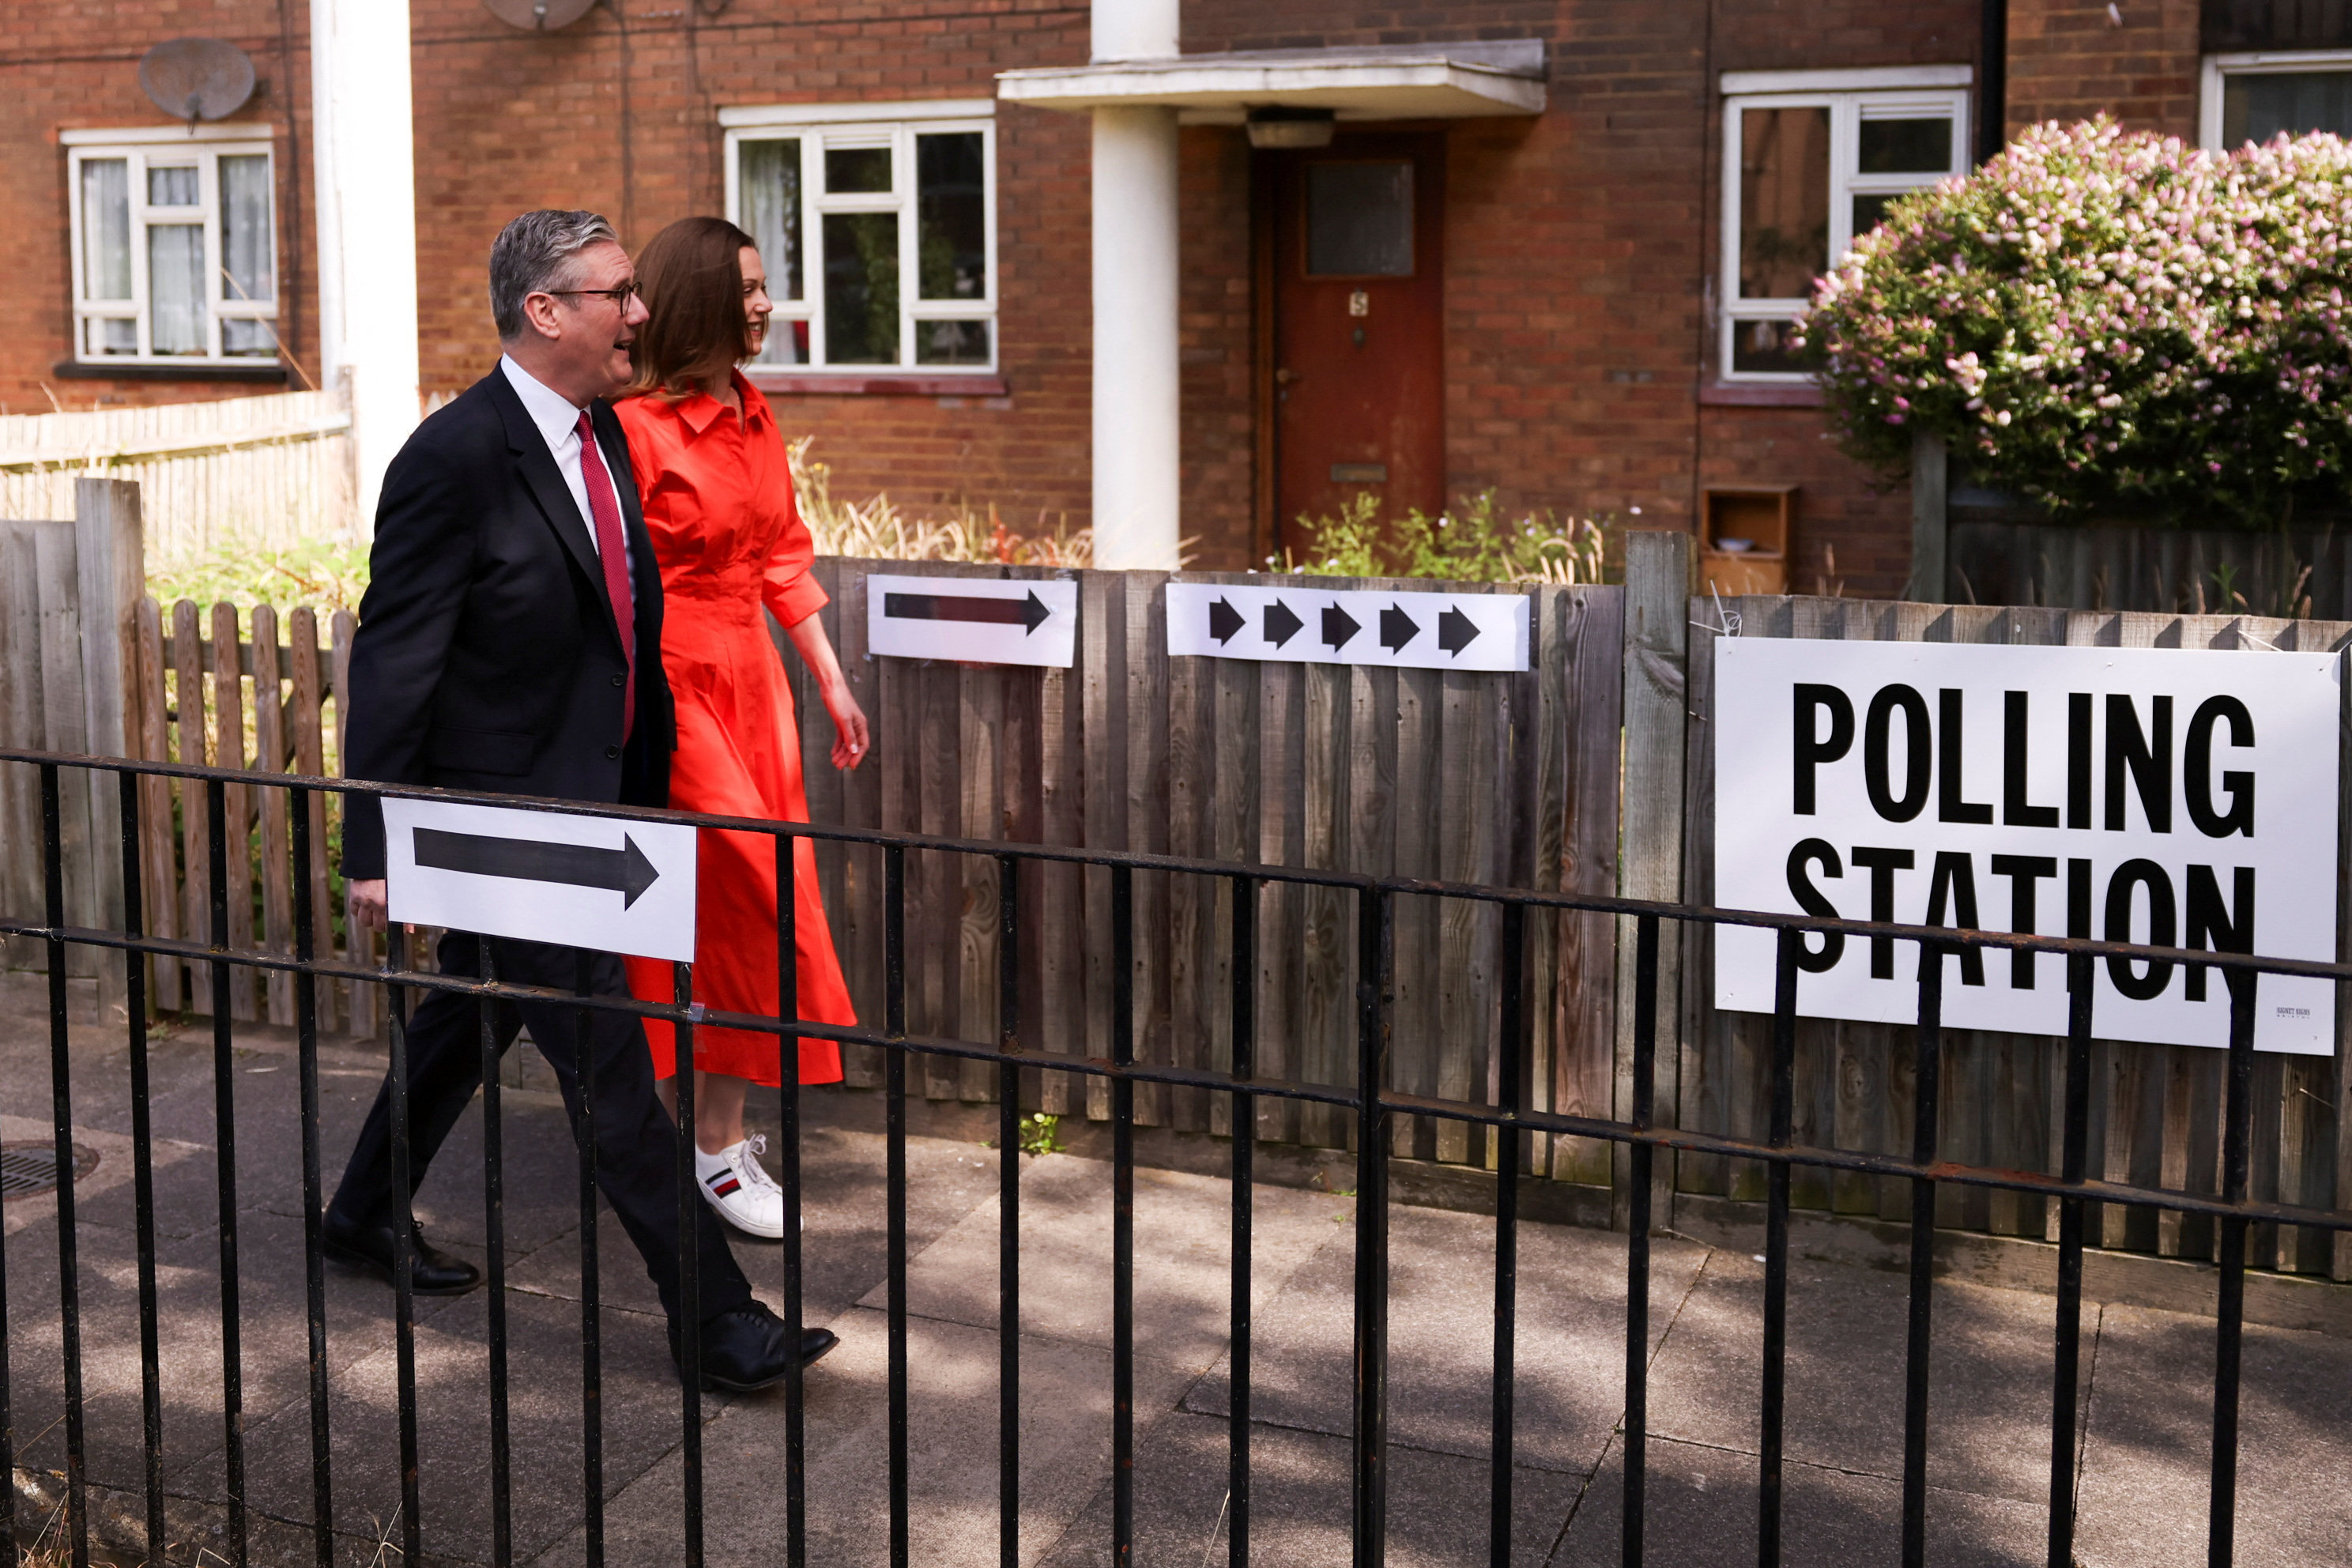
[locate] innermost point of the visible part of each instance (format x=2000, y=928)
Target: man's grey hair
x=534, y=254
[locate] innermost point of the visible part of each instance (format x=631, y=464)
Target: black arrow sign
x=1397, y=628
x=1455, y=631
x=1281, y=625
x=1224, y=621
x=1339, y=625
x=626, y=870
x=1030, y=613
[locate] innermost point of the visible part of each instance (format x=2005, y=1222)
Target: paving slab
x=1183, y=1257
x=845, y=1249
x=2146, y=1487
x=642, y=1414
x=1568, y=1355
x=1701, y=1514
x=1301, y=1502
x=1989, y=1392
x=1066, y=1421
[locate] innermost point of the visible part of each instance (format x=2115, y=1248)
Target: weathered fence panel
x=69, y=592
x=269, y=470
x=2157, y=1109
x=1464, y=777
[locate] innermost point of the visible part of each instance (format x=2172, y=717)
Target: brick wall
x=509, y=121
x=1581, y=247
x=1580, y=253
x=77, y=67
x=2136, y=59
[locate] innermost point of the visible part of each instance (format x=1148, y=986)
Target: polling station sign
x=2172, y=797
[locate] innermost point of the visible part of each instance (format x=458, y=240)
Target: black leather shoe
x=431, y=1273
x=743, y=1350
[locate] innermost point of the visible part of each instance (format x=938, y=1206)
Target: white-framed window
x=1810, y=159
x=878, y=225
x=175, y=244
x=2253, y=97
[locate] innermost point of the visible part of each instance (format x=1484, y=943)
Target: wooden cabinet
x=1746, y=535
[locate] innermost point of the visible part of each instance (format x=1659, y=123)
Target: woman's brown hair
x=692, y=275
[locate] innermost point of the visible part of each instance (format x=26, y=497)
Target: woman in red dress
x=718, y=492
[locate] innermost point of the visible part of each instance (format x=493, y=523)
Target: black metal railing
x=1372, y=1106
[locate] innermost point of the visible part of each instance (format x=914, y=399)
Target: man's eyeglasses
x=620, y=295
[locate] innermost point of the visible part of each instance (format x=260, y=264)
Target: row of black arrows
x=1455, y=631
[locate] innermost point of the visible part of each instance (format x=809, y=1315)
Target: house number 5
x=1360, y=303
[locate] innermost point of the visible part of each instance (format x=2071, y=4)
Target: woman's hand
x=850, y=742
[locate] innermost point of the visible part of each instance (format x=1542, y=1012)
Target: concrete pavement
x=2140, y=1462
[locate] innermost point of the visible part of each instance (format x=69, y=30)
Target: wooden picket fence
x=259, y=699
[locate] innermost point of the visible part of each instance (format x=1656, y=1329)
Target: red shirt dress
x=718, y=496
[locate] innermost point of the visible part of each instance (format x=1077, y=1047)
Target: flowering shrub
x=2103, y=321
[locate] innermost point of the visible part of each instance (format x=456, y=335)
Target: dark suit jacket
x=486, y=657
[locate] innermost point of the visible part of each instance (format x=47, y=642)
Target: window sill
x=75, y=370
x=1758, y=394
x=891, y=385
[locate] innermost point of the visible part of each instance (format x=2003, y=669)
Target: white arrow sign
x=581, y=881
x=975, y=620
x=1296, y=624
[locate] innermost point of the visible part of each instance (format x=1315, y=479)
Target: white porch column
x=362, y=140
x=1136, y=376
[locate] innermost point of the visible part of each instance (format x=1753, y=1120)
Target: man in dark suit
x=510, y=643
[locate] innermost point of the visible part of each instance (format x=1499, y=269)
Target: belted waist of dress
x=732, y=604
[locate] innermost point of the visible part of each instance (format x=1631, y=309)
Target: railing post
x=1650, y=864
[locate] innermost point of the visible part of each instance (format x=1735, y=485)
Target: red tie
x=606, y=509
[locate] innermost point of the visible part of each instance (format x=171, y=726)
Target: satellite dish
x=538, y=16
x=197, y=79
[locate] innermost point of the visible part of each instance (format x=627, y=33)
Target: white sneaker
x=745, y=1196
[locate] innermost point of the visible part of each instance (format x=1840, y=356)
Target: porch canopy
x=1390, y=81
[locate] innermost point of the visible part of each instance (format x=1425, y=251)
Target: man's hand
x=367, y=903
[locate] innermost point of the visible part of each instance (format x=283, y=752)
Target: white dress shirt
x=557, y=418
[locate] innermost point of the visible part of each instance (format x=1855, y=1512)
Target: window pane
x=951, y=342
x=2257, y=108
x=249, y=242
x=247, y=338
x=110, y=337
x=1907, y=146
x=175, y=288
x=1764, y=346
x=1360, y=220
x=1784, y=201
x=861, y=288
x=173, y=187
x=105, y=230
x=951, y=216
x=850, y=171
x=769, y=175
x=1869, y=212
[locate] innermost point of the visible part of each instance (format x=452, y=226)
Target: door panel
x=1358, y=305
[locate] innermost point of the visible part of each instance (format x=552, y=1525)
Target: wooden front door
x=1357, y=286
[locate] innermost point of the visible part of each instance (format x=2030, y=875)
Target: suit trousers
x=637, y=1142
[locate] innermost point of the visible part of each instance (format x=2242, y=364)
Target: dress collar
x=699, y=411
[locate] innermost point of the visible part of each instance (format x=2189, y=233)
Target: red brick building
x=1542, y=246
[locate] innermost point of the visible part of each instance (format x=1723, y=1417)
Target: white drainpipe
x=364, y=140
x=1136, y=376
